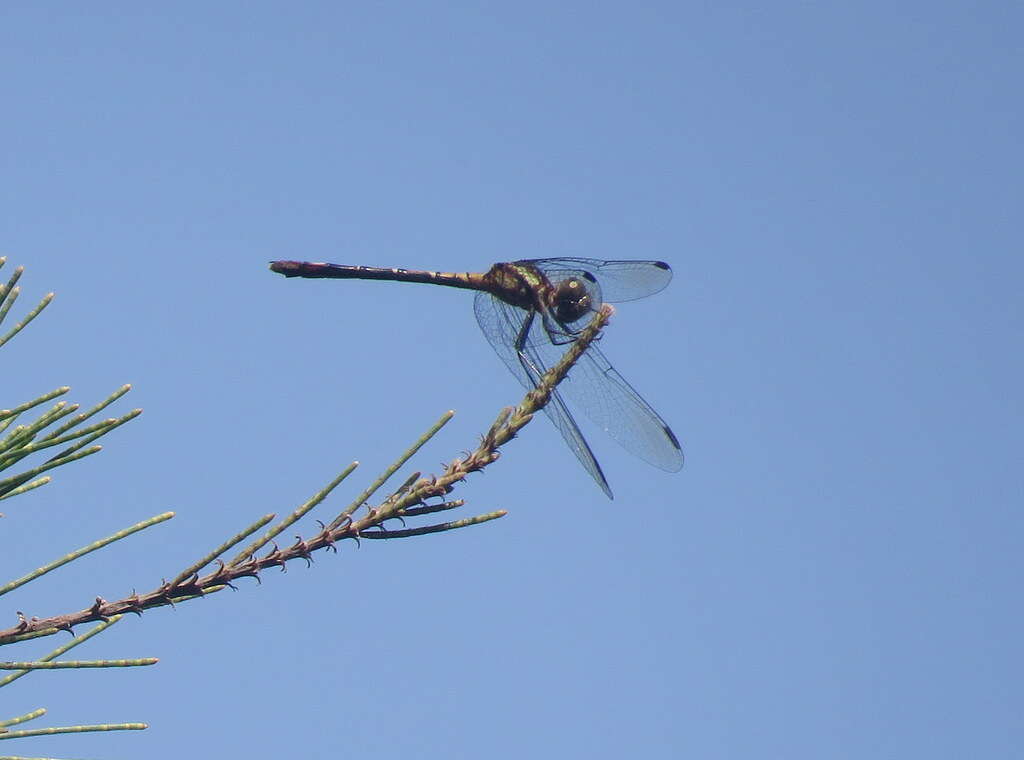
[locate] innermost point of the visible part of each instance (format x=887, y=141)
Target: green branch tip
x=64, y=664
x=72, y=556
x=74, y=730
x=439, y=528
x=67, y=645
x=27, y=487
x=38, y=712
x=35, y=402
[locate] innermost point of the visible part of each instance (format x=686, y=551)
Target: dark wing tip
x=675, y=442
x=662, y=265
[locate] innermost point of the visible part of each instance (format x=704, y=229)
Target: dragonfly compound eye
x=571, y=301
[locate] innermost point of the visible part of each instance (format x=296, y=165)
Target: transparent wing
x=502, y=324
x=596, y=387
x=618, y=280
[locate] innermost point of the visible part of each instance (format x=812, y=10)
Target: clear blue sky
x=836, y=571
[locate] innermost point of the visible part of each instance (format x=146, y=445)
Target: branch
x=407, y=501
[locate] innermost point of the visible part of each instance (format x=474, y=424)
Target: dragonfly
x=530, y=311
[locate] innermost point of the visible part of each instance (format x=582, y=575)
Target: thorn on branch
x=274, y=557
x=134, y=604
x=219, y=573
x=326, y=537
x=97, y=607
x=186, y=587
x=301, y=549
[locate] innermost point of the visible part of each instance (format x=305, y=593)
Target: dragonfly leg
x=532, y=370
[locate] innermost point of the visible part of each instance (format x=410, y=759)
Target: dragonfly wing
x=501, y=324
x=596, y=387
x=618, y=280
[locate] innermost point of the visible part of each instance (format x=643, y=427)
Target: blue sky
x=835, y=572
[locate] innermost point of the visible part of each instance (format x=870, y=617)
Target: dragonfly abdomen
x=468, y=280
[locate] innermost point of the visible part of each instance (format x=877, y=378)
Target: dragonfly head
x=573, y=298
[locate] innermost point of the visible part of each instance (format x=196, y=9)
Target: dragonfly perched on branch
x=529, y=311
